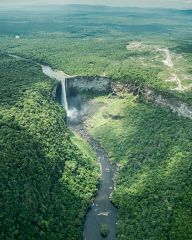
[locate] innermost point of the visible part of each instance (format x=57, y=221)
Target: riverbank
x=102, y=211
x=46, y=183
x=152, y=148
x=119, y=130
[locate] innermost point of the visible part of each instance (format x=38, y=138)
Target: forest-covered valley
x=46, y=182
x=49, y=174
x=152, y=148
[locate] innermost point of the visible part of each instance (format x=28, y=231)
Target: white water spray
x=64, y=102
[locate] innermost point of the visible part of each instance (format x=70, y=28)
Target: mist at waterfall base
x=73, y=103
x=76, y=110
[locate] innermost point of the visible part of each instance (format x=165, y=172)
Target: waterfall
x=64, y=102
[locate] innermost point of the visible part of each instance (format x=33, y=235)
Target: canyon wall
x=181, y=108
x=92, y=84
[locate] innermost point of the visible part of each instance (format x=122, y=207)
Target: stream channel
x=102, y=211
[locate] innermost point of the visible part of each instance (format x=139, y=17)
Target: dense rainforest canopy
x=49, y=176
x=46, y=183
x=122, y=43
x=153, y=149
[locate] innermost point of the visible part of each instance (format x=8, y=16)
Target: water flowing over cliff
x=64, y=102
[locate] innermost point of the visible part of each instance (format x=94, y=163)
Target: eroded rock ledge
x=181, y=108
x=177, y=106
x=92, y=84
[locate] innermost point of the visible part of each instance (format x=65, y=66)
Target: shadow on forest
x=153, y=185
x=35, y=202
x=41, y=198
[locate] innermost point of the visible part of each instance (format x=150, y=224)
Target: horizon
x=170, y=4
x=16, y=6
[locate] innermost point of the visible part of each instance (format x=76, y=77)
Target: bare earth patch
x=170, y=62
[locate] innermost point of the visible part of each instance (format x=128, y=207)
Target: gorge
x=102, y=211
x=95, y=122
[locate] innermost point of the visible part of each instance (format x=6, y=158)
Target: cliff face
x=104, y=85
x=181, y=108
x=177, y=106
x=93, y=84
x=54, y=91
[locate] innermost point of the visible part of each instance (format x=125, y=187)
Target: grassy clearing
x=152, y=148
x=83, y=146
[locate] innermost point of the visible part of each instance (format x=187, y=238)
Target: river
x=102, y=211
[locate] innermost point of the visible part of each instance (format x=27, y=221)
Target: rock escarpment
x=91, y=84
x=176, y=105
x=181, y=108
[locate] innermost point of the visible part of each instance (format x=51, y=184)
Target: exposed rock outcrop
x=181, y=108
x=93, y=84
x=177, y=106
x=53, y=92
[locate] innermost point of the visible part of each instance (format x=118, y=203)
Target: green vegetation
x=152, y=148
x=71, y=39
x=83, y=146
x=49, y=175
x=46, y=183
x=104, y=230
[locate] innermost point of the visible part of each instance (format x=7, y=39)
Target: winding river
x=102, y=211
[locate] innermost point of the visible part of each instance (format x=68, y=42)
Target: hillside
x=46, y=182
x=152, y=149
x=50, y=160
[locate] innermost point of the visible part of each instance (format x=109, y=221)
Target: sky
x=130, y=3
